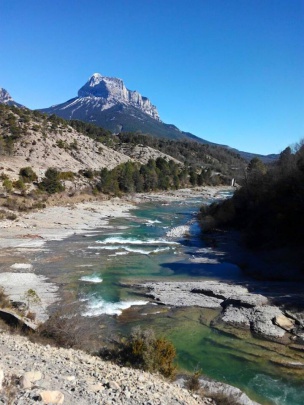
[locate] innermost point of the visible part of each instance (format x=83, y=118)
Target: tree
x=31, y=297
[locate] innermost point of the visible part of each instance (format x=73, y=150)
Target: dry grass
x=4, y=300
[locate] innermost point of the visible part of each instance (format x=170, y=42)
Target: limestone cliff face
x=111, y=91
x=6, y=98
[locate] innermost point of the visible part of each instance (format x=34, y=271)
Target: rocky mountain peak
x=5, y=97
x=112, y=91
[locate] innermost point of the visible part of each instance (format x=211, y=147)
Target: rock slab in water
x=240, y=307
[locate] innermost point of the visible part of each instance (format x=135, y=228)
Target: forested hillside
x=59, y=153
x=269, y=208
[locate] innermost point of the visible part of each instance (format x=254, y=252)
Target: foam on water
x=92, y=279
x=127, y=249
x=119, y=254
x=151, y=222
x=277, y=390
x=32, y=244
x=98, y=306
x=132, y=241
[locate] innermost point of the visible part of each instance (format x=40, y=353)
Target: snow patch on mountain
x=110, y=91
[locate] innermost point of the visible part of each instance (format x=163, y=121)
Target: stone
x=1, y=378
x=52, y=397
x=262, y=322
x=285, y=323
x=29, y=378
x=113, y=385
x=95, y=387
x=70, y=378
x=237, y=316
x=246, y=300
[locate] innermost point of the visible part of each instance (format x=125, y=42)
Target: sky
x=229, y=71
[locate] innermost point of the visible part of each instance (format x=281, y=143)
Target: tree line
x=159, y=174
x=269, y=206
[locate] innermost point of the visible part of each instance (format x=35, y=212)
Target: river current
x=99, y=264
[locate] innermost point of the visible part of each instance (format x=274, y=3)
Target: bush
x=8, y=185
x=144, y=351
x=51, y=182
x=4, y=300
x=63, y=329
x=27, y=174
x=192, y=383
x=19, y=184
x=66, y=176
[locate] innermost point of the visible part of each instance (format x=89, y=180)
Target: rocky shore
x=32, y=373
x=238, y=307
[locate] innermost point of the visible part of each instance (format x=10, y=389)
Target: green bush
x=8, y=185
x=51, y=182
x=28, y=175
x=143, y=350
x=19, y=184
x=66, y=176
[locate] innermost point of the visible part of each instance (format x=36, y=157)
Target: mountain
x=106, y=102
x=6, y=98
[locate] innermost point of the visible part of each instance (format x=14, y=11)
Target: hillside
x=32, y=139
x=73, y=377
x=268, y=211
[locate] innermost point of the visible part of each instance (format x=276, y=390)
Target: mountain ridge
x=106, y=102
x=6, y=98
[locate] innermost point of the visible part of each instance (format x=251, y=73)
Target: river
x=97, y=266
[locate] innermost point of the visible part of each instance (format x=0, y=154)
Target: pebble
x=66, y=376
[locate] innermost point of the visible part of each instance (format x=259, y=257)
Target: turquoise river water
x=136, y=249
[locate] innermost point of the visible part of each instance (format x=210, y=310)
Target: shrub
x=51, y=182
x=8, y=185
x=19, y=184
x=192, y=383
x=4, y=300
x=27, y=174
x=63, y=329
x=144, y=351
x=66, y=176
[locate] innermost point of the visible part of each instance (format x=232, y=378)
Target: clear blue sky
x=230, y=71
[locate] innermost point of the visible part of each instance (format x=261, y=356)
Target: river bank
x=31, y=231
x=141, y=247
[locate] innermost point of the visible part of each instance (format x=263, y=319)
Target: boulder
x=52, y=397
x=285, y=323
x=1, y=378
x=237, y=316
x=246, y=300
x=262, y=322
x=29, y=378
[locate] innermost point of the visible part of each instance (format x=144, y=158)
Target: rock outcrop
x=109, y=91
x=240, y=307
x=6, y=98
